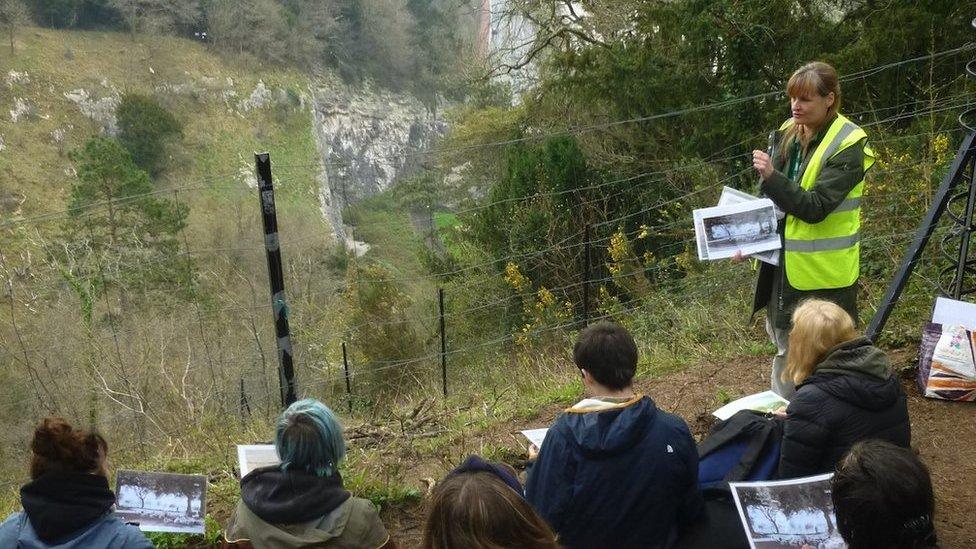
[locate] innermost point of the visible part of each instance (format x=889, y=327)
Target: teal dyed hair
x=308, y=437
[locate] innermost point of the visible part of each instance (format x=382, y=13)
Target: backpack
x=742, y=448
x=718, y=526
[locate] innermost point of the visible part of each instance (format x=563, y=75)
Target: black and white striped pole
x=286, y=370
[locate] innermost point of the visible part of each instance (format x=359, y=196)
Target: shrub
x=145, y=129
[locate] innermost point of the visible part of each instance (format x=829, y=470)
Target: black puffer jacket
x=851, y=396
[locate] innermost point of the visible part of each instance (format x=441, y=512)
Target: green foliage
x=382, y=333
x=400, y=44
x=545, y=195
x=723, y=396
x=58, y=14
x=13, y=13
x=382, y=494
x=633, y=60
x=435, y=36
x=564, y=394
x=76, y=14
x=146, y=129
x=445, y=220
x=419, y=192
x=118, y=231
x=158, y=16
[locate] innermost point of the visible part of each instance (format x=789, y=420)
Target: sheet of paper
x=746, y=228
x=162, y=502
x=254, y=456
x=536, y=436
x=784, y=514
x=700, y=237
x=761, y=402
x=950, y=312
x=734, y=196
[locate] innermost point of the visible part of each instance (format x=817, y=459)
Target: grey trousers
x=781, y=339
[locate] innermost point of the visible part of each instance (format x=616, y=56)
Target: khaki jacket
x=355, y=524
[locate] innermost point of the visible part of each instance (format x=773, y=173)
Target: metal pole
x=586, y=275
x=965, y=233
x=286, y=369
x=440, y=300
x=345, y=366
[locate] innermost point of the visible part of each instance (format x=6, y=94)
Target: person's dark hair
x=504, y=471
x=607, y=351
x=477, y=510
x=58, y=447
x=882, y=497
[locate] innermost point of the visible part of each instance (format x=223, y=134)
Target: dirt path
x=943, y=433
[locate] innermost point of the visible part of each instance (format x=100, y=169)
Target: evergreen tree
x=118, y=231
x=59, y=14
x=145, y=129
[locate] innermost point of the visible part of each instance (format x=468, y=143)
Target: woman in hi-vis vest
x=816, y=177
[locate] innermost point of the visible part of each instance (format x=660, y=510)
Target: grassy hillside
x=169, y=370
x=207, y=93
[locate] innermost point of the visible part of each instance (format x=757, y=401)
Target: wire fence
x=219, y=353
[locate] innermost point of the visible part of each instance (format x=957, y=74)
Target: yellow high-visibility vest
x=827, y=255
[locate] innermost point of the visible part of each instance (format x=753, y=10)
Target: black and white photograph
x=747, y=227
x=788, y=514
x=162, y=502
x=731, y=196
x=255, y=456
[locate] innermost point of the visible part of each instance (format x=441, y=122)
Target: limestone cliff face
x=367, y=140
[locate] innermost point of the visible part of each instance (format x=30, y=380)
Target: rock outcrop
x=367, y=140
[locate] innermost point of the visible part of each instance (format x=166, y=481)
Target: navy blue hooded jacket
x=616, y=474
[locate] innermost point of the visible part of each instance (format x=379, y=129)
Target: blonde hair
x=818, y=326
x=813, y=78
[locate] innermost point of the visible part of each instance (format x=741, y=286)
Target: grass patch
x=445, y=220
x=383, y=494
x=562, y=393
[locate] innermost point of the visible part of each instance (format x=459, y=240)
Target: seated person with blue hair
x=301, y=502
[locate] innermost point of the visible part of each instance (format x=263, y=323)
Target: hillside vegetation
x=144, y=340
x=572, y=203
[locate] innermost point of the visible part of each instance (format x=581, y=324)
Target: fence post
x=440, y=301
x=586, y=275
x=286, y=369
x=345, y=366
x=245, y=405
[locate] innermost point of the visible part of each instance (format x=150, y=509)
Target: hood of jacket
x=60, y=505
x=859, y=373
x=603, y=426
x=291, y=497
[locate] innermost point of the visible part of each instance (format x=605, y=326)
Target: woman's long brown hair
x=816, y=78
x=476, y=510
